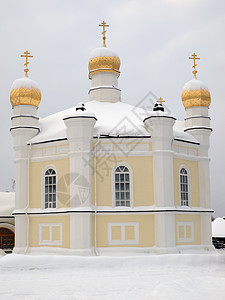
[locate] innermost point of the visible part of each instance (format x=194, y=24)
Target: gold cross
x=27, y=62
x=194, y=57
x=104, y=25
x=161, y=100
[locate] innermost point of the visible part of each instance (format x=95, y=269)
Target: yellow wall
x=63, y=179
x=146, y=229
x=142, y=178
x=194, y=184
x=197, y=227
x=34, y=222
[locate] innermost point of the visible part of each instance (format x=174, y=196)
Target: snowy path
x=186, y=276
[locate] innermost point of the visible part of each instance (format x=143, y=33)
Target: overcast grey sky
x=153, y=38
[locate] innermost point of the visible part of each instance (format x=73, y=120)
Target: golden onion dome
x=104, y=60
x=25, y=91
x=195, y=93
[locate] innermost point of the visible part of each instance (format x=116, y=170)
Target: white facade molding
x=47, y=167
x=50, y=241
x=123, y=240
x=189, y=184
x=8, y=226
x=185, y=238
x=131, y=182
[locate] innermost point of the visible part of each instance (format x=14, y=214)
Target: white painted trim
x=8, y=226
x=186, y=157
x=189, y=185
x=123, y=240
x=50, y=241
x=125, y=153
x=131, y=183
x=47, y=158
x=185, y=239
x=50, y=166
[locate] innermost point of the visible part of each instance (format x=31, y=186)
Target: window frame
x=188, y=183
x=50, y=242
x=123, y=240
x=185, y=239
x=122, y=164
x=43, y=186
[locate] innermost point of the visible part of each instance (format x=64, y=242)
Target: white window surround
x=8, y=226
x=185, y=239
x=113, y=183
x=189, y=185
x=123, y=240
x=49, y=242
x=43, y=186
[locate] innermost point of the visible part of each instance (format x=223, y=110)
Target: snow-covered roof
x=113, y=119
x=102, y=51
x=218, y=227
x=24, y=82
x=195, y=84
x=7, y=203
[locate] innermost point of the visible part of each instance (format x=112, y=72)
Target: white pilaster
x=161, y=130
x=80, y=136
x=206, y=229
x=165, y=230
x=21, y=231
x=80, y=231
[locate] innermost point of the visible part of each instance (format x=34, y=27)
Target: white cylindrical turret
x=104, y=65
x=196, y=100
x=25, y=97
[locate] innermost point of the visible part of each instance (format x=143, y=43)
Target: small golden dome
x=195, y=93
x=25, y=91
x=103, y=60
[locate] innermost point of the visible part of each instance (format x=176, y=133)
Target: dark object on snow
x=80, y=107
x=158, y=107
x=218, y=242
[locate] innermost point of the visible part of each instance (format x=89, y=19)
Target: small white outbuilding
x=218, y=232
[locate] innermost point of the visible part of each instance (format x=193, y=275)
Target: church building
x=107, y=177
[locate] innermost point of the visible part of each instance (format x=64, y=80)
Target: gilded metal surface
x=104, y=25
x=26, y=55
x=104, y=62
x=161, y=100
x=104, y=70
x=194, y=57
x=196, y=98
x=25, y=96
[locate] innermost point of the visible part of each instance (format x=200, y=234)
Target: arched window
x=122, y=182
x=184, y=187
x=50, y=188
x=6, y=239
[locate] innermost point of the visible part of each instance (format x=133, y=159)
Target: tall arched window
x=50, y=188
x=122, y=183
x=184, y=187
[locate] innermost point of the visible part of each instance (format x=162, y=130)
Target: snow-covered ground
x=173, y=276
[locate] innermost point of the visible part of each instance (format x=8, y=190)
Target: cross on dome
x=161, y=100
x=26, y=55
x=104, y=25
x=194, y=57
